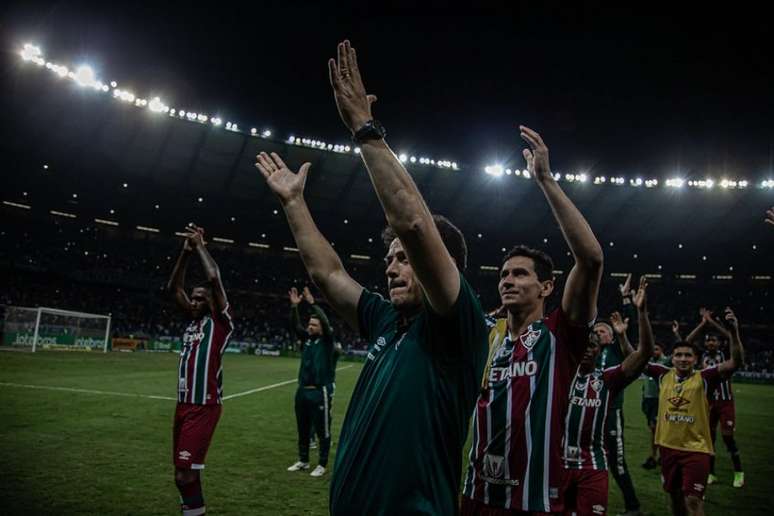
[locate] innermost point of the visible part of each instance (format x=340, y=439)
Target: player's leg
x=727, y=428
x=198, y=423
x=570, y=492
x=188, y=482
x=648, y=405
x=304, y=426
x=678, y=503
x=591, y=493
x=695, y=470
x=322, y=426
x=618, y=467
x=714, y=418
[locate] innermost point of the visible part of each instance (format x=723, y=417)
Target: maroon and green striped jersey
x=591, y=396
x=723, y=391
x=200, y=373
x=516, y=455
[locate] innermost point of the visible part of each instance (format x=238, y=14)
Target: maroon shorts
x=471, y=507
x=192, y=432
x=723, y=411
x=685, y=471
x=585, y=492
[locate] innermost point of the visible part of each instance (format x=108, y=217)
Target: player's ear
x=547, y=287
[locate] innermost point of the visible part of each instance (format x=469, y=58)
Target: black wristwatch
x=371, y=130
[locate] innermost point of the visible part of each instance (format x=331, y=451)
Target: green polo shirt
x=400, y=448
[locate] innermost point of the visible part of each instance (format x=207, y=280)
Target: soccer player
x=585, y=451
x=615, y=348
x=683, y=429
x=650, y=406
x=200, y=373
x=515, y=463
x=400, y=448
x=721, y=400
x=316, y=381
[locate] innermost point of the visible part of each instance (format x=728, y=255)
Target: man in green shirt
x=316, y=377
x=650, y=406
x=400, y=449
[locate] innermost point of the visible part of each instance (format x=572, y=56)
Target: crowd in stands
x=96, y=269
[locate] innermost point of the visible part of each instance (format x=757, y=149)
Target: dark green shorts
x=650, y=409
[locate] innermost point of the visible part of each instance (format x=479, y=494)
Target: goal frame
x=68, y=313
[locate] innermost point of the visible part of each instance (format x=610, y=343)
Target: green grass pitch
x=76, y=452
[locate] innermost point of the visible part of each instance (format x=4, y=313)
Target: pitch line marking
x=86, y=391
x=267, y=387
x=147, y=396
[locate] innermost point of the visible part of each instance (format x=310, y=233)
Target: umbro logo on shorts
x=598, y=509
x=698, y=487
x=184, y=455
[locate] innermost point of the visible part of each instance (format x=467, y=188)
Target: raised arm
x=676, y=331
x=295, y=318
x=635, y=363
x=321, y=261
x=579, y=300
x=176, y=283
x=195, y=236
x=736, y=361
x=319, y=312
x=403, y=205
x=620, y=325
x=706, y=316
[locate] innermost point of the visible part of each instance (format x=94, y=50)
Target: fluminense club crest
x=530, y=337
x=596, y=384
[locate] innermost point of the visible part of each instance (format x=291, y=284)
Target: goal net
x=33, y=329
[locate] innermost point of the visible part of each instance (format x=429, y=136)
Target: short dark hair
x=203, y=284
x=451, y=235
x=544, y=265
x=686, y=344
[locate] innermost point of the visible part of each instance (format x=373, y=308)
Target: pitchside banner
x=24, y=339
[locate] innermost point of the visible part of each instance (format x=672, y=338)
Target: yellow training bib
x=683, y=414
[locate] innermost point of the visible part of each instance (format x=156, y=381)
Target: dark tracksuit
x=316, y=382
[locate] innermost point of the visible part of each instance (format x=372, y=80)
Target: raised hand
x=770, y=216
x=352, y=101
x=675, y=327
x=285, y=184
x=619, y=324
x=730, y=318
x=640, y=297
x=536, y=155
x=626, y=289
x=308, y=296
x=194, y=237
x=706, y=315
x=295, y=299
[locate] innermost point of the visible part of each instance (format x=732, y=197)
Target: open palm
x=282, y=181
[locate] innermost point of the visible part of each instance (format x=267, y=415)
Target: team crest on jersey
x=597, y=384
x=530, y=337
x=678, y=401
x=494, y=466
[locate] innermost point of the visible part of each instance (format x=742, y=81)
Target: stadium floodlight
x=29, y=328
x=582, y=178
x=494, y=170
x=710, y=183
x=413, y=159
x=266, y=133
x=402, y=157
x=157, y=106
x=84, y=76
x=30, y=52
x=508, y=171
x=253, y=131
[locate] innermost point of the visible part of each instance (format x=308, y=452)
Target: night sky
x=613, y=92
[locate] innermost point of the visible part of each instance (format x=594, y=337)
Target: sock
x=191, y=498
x=734, y=451
x=712, y=465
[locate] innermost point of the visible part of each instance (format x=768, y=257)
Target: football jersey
x=723, y=392
x=515, y=460
x=591, y=396
x=200, y=371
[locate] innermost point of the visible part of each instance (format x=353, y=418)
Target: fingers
x=643, y=282
x=278, y=161
x=531, y=136
x=529, y=157
x=343, y=58
x=371, y=99
x=265, y=164
x=304, y=170
x=333, y=74
x=533, y=143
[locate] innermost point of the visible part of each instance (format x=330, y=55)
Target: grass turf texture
x=84, y=453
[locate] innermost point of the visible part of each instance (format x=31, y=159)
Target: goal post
x=32, y=329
